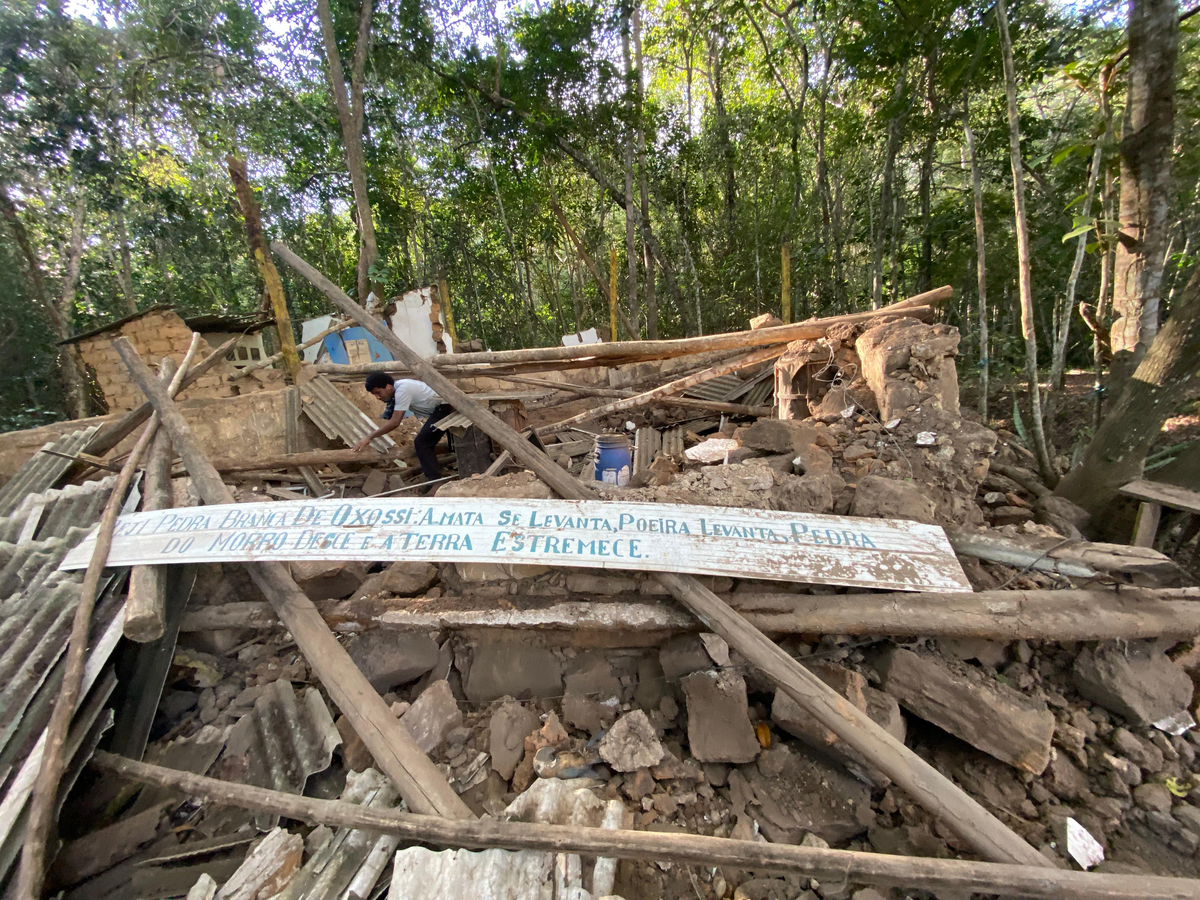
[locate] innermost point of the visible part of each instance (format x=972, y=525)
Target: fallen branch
x=826, y=865
x=45, y=789
x=1074, y=559
x=394, y=750
x=925, y=784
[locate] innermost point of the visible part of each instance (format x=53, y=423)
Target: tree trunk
x=925, y=265
x=631, y=213
x=980, y=261
x=1064, y=311
x=124, y=262
x=640, y=128
x=1025, y=282
x=886, y=202
x=1102, y=302
x=350, y=118
x=1146, y=150
x=1160, y=383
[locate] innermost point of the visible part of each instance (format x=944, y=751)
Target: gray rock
x=403, y=579
x=886, y=498
x=719, y=728
x=631, y=743
x=434, y=715
x=392, y=658
x=1153, y=797
x=1188, y=816
x=987, y=715
x=683, y=655
x=1143, y=685
x=516, y=670
x=1064, y=780
x=328, y=579
x=510, y=725
x=990, y=653
x=1135, y=749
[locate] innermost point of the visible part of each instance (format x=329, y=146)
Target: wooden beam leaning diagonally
x=418, y=780
x=925, y=784
x=958, y=875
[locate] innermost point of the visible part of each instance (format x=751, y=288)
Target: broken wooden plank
x=835, y=866
x=102, y=849
x=652, y=537
x=314, y=458
x=925, y=784
x=419, y=781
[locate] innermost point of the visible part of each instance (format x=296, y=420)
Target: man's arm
x=389, y=425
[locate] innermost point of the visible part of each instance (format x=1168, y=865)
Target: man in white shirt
x=409, y=396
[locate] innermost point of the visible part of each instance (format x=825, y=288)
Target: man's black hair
x=377, y=380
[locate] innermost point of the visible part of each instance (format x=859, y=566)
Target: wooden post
x=45, y=789
x=925, y=784
x=612, y=292
x=444, y=300
x=936, y=875
x=396, y=753
x=673, y=387
x=785, y=298
x=144, y=617
x=270, y=275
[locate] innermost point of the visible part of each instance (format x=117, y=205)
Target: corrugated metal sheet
x=52, y=513
x=672, y=441
x=37, y=604
x=349, y=860
x=646, y=444
x=457, y=420
x=761, y=394
x=718, y=389
x=337, y=417
x=284, y=741
x=43, y=470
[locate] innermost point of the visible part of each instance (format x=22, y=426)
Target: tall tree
x=1024, y=268
x=350, y=109
x=1146, y=150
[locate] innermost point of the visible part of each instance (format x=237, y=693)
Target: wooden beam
x=666, y=391
x=925, y=784
x=144, y=608
x=922, y=306
x=948, y=875
x=397, y=754
x=314, y=458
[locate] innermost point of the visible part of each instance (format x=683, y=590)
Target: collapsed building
x=1040, y=712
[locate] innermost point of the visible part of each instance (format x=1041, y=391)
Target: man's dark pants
x=426, y=442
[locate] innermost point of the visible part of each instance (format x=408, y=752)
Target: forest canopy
x=739, y=158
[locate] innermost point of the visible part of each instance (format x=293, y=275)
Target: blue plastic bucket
x=614, y=459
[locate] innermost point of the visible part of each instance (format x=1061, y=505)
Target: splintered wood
x=706, y=540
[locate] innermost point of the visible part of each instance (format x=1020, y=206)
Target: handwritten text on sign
x=707, y=540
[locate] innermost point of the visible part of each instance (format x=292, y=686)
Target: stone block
x=517, y=670
x=885, y=498
x=402, y=579
x=719, y=728
x=987, y=715
x=1139, y=683
x=391, y=658
x=509, y=727
x=432, y=716
x=328, y=579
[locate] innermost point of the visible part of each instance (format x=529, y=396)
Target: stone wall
x=157, y=334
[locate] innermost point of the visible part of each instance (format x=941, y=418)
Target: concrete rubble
x=665, y=728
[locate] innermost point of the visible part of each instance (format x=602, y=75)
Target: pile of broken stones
x=692, y=739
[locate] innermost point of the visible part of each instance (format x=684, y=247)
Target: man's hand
x=362, y=445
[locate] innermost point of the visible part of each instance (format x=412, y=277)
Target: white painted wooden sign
x=704, y=540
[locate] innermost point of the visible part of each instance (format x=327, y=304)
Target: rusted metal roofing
x=337, y=417
x=43, y=470
x=284, y=741
x=719, y=389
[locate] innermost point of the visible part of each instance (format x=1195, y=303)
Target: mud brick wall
x=154, y=335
